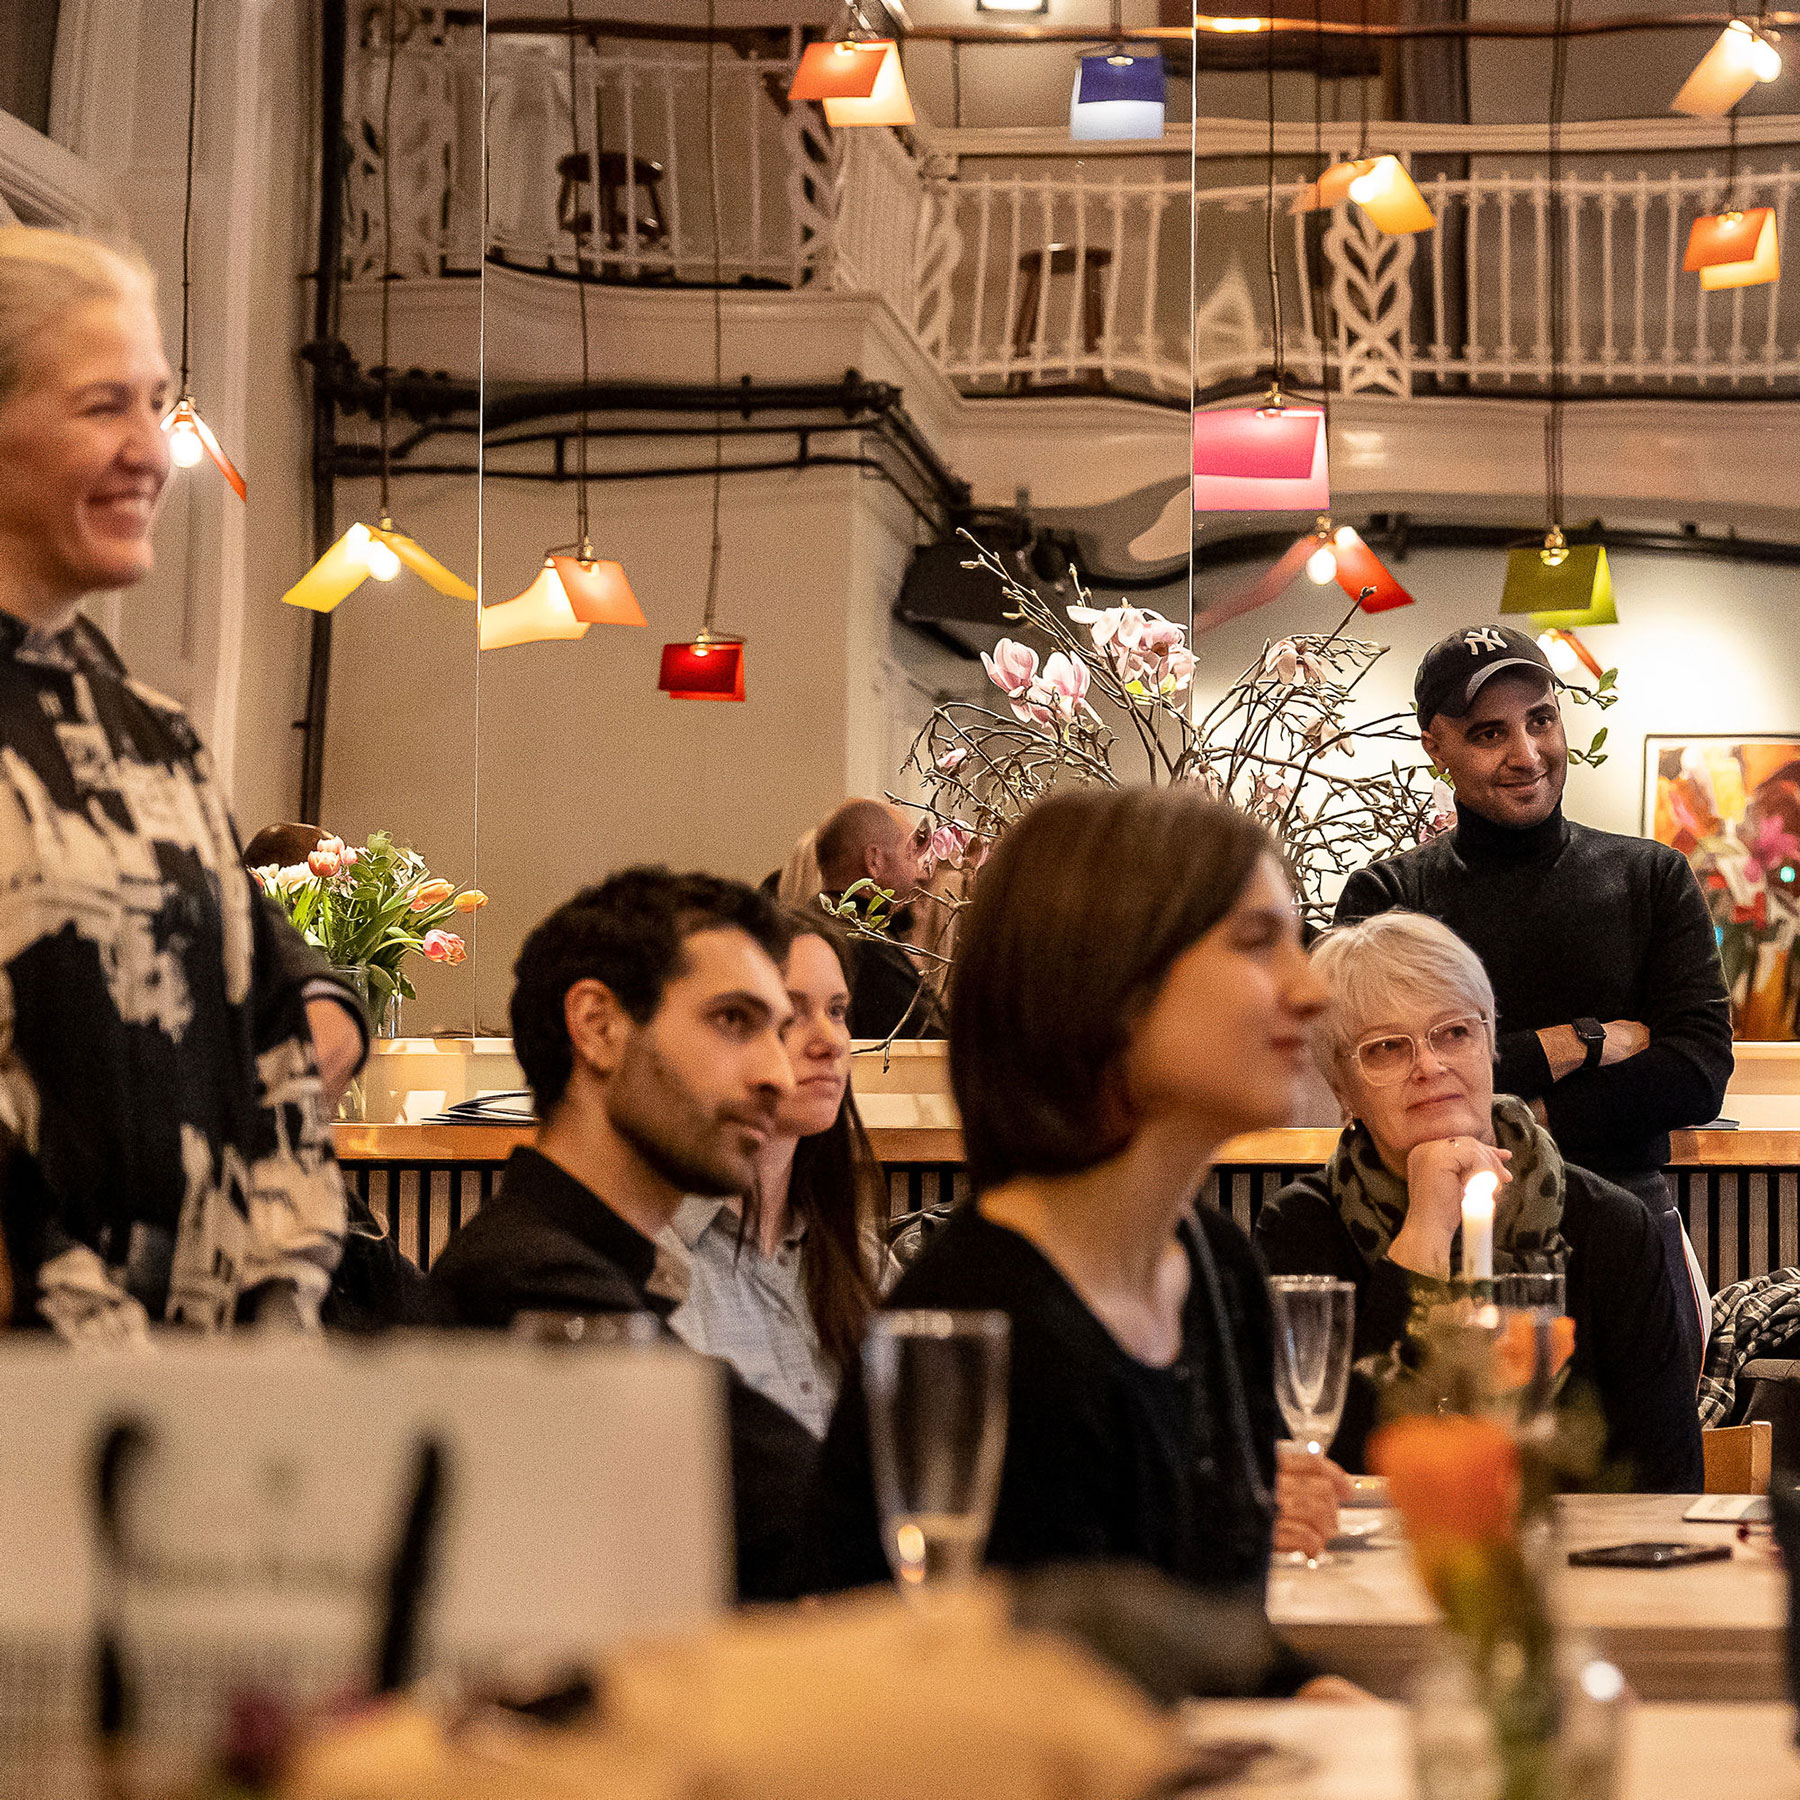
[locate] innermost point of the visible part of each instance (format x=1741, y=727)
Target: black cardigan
x=1628, y=1344
x=1572, y=923
x=1106, y=1456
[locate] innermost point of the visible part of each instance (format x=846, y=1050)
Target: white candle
x=1478, y=1226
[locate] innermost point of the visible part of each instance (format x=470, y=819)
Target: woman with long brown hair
x=781, y=1284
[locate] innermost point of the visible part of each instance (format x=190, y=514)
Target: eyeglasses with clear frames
x=1393, y=1056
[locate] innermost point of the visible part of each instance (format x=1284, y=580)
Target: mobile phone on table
x=1649, y=1556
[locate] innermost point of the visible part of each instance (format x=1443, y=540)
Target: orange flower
x=429, y=894
x=1515, y=1349
x=470, y=900
x=1454, y=1479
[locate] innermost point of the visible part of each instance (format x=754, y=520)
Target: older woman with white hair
x=1407, y=1042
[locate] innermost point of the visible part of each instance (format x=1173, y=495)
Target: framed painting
x=1730, y=803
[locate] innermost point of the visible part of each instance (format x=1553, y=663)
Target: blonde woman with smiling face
x=157, y=1062
x=1407, y=1043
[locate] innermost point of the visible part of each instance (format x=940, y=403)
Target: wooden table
x=1710, y=1632
x=1365, y=1752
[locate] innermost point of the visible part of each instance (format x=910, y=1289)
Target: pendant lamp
x=709, y=666
x=1391, y=198
x=1260, y=459
x=190, y=437
x=574, y=588
x=1567, y=653
x=1739, y=58
x=1358, y=569
x=1118, y=95
x=1330, y=188
x=379, y=550
x=859, y=79
x=1734, y=249
x=1563, y=586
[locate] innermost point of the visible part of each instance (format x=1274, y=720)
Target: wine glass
x=1315, y=1328
x=936, y=1388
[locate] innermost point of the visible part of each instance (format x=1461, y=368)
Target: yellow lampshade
x=366, y=550
x=422, y=563
x=888, y=102
x=1734, y=249
x=1330, y=188
x=1391, y=197
x=541, y=613
x=1563, y=587
x=1738, y=60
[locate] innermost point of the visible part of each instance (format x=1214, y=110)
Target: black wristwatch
x=1593, y=1034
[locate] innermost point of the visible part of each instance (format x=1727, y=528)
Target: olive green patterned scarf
x=1371, y=1200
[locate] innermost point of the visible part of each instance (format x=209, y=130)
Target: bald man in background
x=874, y=841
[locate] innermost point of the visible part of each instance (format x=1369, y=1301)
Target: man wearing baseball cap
x=1613, y=1016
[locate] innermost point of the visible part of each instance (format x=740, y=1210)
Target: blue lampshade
x=1117, y=95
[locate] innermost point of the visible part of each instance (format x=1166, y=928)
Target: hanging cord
x=387, y=245
x=712, y=185
x=1269, y=231
x=956, y=84
x=1553, y=421
x=187, y=204
x=1731, y=163
x=585, y=549
x=1362, y=102
x=1316, y=256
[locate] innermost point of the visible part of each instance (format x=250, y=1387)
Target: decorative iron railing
x=1025, y=269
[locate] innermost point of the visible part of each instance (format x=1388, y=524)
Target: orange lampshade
x=1734, y=249
x=541, y=613
x=1391, y=197
x=844, y=70
x=190, y=437
x=709, y=668
x=597, y=590
x=1737, y=61
x=1358, y=567
x=887, y=103
x=1330, y=188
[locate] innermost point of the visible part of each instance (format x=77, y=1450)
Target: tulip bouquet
x=370, y=908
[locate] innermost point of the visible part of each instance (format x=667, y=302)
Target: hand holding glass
x=936, y=1388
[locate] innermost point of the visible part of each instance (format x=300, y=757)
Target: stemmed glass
x=936, y=1389
x=1315, y=1327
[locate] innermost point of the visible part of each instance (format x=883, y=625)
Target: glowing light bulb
x=1765, y=60
x=1345, y=537
x=1555, y=646
x=185, y=447
x=1321, y=566
x=1365, y=187
x=384, y=565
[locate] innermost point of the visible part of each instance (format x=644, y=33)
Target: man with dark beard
x=647, y=1016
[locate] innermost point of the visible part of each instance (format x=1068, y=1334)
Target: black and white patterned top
x=166, y=1149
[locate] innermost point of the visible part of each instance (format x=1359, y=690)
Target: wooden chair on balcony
x=1061, y=260
x=618, y=179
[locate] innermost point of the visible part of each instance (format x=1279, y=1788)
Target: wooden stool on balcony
x=617, y=181
x=1061, y=258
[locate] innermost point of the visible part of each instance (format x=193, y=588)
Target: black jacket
x=1629, y=1349
x=1573, y=923
x=547, y=1243
x=1106, y=1457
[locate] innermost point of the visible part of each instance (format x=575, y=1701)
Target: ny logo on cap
x=1483, y=637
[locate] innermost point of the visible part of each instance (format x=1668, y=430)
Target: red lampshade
x=1358, y=567
x=838, y=71
x=706, y=669
x=1260, y=459
x=1734, y=249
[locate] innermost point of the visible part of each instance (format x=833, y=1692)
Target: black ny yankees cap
x=1454, y=668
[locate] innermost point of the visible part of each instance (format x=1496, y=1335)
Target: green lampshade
x=1567, y=595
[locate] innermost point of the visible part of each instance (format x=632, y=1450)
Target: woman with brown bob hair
x=1131, y=992
x=781, y=1283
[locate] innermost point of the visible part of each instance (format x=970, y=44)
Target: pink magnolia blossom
x=1012, y=668
x=950, y=842
x=1065, y=678
x=952, y=760
x=444, y=947
x=1442, y=806
x=1177, y=671
x=1291, y=665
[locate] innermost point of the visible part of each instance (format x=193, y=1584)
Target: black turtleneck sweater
x=1574, y=923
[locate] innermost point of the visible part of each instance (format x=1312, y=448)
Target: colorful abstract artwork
x=1731, y=806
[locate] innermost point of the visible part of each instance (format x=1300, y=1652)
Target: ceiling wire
x=718, y=297
x=1558, y=321
x=1280, y=347
x=187, y=204
x=579, y=224
x=387, y=244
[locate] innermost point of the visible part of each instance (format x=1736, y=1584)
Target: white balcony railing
x=1020, y=270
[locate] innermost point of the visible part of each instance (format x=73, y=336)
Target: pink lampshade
x=1260, y=459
